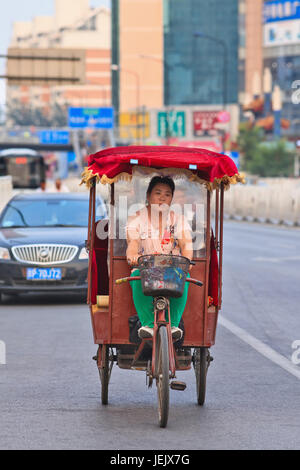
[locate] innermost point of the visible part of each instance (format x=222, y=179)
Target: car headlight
x=4, y=253
x=83, y=254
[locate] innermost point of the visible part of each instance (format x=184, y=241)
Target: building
x=281, y=54
x=155, y=40
x=76, y=29
x=251, y=46
x=137, y=54
x=201, y=57
x=159, y=64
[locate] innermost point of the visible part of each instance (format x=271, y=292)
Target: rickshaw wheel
x=201, y=364
x=104, y=374
x=162, y=375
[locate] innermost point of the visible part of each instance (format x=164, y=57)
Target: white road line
x=261, y=347
x=277, y=260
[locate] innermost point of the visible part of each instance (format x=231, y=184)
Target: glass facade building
x=282, y=56
x=195, y=66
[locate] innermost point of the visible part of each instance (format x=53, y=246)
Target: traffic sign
x=235, y=156
x=54, y=137
x=96, y=118
x=134, y=125
x=171, y=124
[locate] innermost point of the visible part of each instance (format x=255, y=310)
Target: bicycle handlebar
x=138, y=278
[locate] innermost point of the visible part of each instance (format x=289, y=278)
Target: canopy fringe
x=88, y=176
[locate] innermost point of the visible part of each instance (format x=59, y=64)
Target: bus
x=26, y=167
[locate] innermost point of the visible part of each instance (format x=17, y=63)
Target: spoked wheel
x=162, y=375
x=105, y=372
x=201, y=364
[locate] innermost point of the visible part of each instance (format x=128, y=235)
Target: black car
x=42, y=242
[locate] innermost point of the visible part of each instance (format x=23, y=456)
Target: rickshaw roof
x=205, y=166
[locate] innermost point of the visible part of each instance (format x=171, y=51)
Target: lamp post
x=116, y=67
x=225, y=62
x=256, y=85
x=267, y=86
x=277, y=107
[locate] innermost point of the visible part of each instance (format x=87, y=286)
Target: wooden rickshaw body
x=110, y=322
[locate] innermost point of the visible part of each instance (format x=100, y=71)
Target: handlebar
x=126, y=279
x=138, y=278
x=194, y=281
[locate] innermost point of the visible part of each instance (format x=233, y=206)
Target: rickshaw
x=201, y=176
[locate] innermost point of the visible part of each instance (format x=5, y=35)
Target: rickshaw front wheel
x=162, y=375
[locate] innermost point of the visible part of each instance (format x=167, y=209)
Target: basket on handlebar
x=163, y=275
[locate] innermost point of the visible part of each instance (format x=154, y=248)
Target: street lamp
x=267, y=87
x=277, y=107
x=225, y=62
x=116, y=67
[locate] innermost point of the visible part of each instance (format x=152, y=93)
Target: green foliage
x=264, y=158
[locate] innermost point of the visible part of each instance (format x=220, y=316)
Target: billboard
x=281, y=23
x=38, y=67
x=281, y=10
x=134, y=126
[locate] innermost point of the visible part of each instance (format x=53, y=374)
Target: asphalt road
x=50, y=390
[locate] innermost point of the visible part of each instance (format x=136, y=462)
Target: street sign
x=235, y=156
x=54, y=137
x=134, y=126
x=171, y=124
x=96, y=118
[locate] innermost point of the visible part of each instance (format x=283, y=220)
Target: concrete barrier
x=276, y=203
x=6, y=190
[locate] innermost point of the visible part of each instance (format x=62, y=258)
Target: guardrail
x=6, y=190
x=277, y=203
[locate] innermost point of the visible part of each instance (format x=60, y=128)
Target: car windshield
x=49, y=213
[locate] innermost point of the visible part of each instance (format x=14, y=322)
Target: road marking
x=277, y=260
x=261, y=347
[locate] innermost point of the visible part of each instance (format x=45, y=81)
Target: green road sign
x=171, y=124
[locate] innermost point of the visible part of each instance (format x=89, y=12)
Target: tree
x=20, y=114
x=272, y=159
x=248, y=141
x=263, y=158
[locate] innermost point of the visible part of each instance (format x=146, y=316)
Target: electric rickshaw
x=200, y=177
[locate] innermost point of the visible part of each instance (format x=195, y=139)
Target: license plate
x=43, y=274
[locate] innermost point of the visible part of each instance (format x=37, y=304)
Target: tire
x=104, y=374
x=201, y=363
x=162, y=376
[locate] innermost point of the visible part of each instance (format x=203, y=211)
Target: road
x=50, y=392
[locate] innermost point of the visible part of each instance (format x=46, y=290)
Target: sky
x=24, y=10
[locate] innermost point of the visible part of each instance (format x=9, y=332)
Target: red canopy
x=211, y=168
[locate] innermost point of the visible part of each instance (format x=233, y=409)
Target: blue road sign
x=95, y=118
x=235, y=156
x=54, y=137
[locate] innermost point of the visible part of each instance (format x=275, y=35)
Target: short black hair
x=161, y=180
